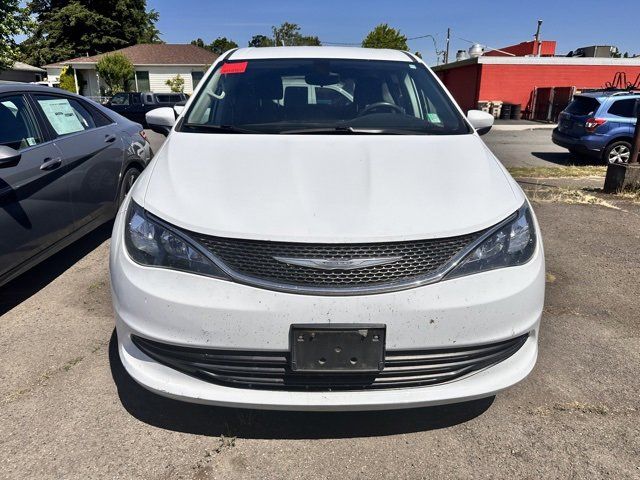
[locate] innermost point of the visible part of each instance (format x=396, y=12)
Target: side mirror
x=9, y=157
x=161, y=120
x=481, y=121
x=179, y=107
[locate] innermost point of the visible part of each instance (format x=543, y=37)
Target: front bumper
x=196, y=311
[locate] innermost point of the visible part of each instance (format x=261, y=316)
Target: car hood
x=328, y=188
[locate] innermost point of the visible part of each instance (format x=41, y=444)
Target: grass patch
x=567, y=195
x=568, y=171
x=633, y=195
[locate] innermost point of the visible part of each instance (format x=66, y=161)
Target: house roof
x=152, y=54
x=25, y=67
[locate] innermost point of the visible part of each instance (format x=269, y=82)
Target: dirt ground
x=68, y=410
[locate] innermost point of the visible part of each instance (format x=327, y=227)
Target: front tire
x=617, y=153
x=128, y=179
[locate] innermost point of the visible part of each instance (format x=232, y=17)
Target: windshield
x=323, y=96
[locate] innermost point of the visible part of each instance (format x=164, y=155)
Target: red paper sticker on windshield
x=236, y=67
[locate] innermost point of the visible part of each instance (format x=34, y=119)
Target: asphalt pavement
x=68, y=410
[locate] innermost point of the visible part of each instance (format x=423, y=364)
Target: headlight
x=149, y=243
x=511, y=245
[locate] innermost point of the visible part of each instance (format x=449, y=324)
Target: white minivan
x=354, y=248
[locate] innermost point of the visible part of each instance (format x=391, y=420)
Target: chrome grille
x=271, y=370
x=255, y=259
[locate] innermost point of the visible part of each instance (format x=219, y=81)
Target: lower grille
x=271, y=371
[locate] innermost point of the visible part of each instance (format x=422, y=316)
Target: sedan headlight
x=150, y=243
x=512, y=244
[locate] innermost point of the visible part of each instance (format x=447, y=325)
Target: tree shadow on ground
x=197, y=419
x=38, y=277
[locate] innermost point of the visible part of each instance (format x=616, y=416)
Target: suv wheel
x=618, y=152
x=129, y=178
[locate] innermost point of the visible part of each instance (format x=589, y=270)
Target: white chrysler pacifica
x=323, y=229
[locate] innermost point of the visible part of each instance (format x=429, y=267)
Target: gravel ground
x=68, y=410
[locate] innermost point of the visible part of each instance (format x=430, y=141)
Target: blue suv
x=599, y=123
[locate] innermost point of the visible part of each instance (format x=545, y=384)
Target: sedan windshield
x=323, y=96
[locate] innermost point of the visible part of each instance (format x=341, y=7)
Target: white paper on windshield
x=62, y=116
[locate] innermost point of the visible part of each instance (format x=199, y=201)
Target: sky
x=496, y=24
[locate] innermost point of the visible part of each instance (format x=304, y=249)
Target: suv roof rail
x=612, y=91
x=626, y=92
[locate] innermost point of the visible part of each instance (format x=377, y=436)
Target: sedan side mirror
x=9, y=157
x=161, y=120
x=480, y=121
x=179, y=107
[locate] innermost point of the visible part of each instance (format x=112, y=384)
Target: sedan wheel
x=619, y=152
x=128, y=180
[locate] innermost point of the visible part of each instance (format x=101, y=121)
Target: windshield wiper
x=346, y=130
x=219, y=128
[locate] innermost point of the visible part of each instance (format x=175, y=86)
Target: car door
x=137, y=110
x=623, y=111
x=92, y=147
x=121, y=103
x=35, y=206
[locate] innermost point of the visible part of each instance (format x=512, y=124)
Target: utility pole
x=537, y=37
x=621, y=176
x=635, y=147
x=446, y=52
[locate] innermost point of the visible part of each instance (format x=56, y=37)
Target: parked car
x=66, y=163
x=369, y=254
x=134, y=105
x=599, y=124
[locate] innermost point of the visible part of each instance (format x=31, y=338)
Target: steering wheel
x=377, y=105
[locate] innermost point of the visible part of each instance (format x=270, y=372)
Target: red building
x=542, y=85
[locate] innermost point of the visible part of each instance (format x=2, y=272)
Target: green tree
x=261, y=41
x=199, y=43
x=288, y=34
x=13, y=21
x=116, y=71
x=219, y=45
x=176, y=84
x=384, y=36
x=72, y=28
x=222, y=44
x=67, y=79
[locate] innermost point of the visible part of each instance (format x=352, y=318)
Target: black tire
x=617, y=152
x=128, y=179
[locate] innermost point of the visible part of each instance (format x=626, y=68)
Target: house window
x=143, y=81
x=196, y=77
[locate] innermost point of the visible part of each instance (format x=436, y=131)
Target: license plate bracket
x=337, y=348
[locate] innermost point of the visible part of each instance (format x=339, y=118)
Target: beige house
x=154, y=64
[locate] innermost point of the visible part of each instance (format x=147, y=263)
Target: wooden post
x=622, y=176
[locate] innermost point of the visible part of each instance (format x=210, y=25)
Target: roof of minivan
x=353, y=53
